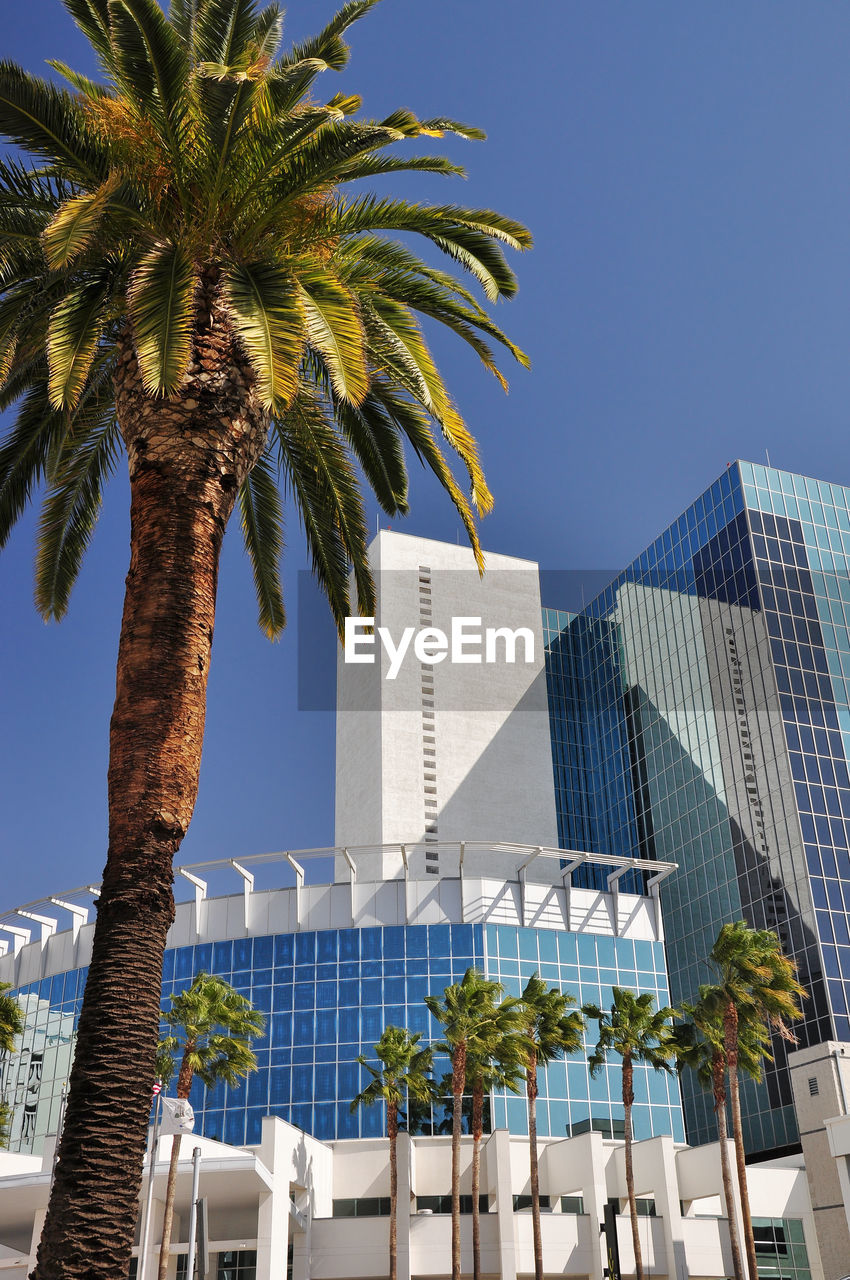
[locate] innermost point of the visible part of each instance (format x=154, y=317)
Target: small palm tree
x=213, y=1026
x=11, y=1026
x=638, y=1032
x=404, y=1077
x=466, y=1013
x=494, y=1060
x=701, y=1047
x=755, y=983
x=550, y=1029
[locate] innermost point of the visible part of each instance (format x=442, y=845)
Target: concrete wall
x=461, y=751
x=820, y=1079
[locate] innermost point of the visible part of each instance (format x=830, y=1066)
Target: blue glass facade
x=328, y=995
x=700, y=710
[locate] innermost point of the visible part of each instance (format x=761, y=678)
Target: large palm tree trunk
x=458, y=1082
x=392, y=1134
x=730, y=1033
x=531, y=1089
x=718, y=1072
x=477, y=1131
x=187, y=458
x=628, y=1099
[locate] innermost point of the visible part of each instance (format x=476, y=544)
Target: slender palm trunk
x=531, y=1090
x=184, y=1088
x=718, y=1073
x=458, y=1082
x=730, y=1033
x=477, y=1131
x=187, y=457
x=392, y=1134
x=628, y=1099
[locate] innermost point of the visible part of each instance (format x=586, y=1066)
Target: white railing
x=465, y=857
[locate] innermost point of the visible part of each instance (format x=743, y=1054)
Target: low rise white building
x=293, y=1205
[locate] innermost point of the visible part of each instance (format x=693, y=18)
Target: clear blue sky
x=685, y=170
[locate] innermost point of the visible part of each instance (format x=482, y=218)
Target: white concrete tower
x=448, y=750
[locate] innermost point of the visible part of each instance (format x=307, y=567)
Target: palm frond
x=46, y=120
x=329, y=44
x=92, y=17
x=72, y=337
x=262, y=526
x=72, y=506
x=161, y=303
x=320, y=476
x=334, y=328
x=36, y=434
x=373, y=438
x=74, y=226
x=150, y=62
x=267, y=317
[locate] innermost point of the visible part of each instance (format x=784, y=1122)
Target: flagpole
x=193, y=1212
x=146, y=1232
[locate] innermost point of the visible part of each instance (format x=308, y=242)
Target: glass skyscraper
x=700, y=711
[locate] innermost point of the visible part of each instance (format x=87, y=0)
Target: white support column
x=247, y=889
x=200, y=895
x=79, y=915
x=522, y=871
x=272, y=1216
x=49, y=924
x=405, y=1205
x=352, y=877
x=20, y=937
x=614, y=890
x=567, y=878
x=460, y=878
x=299, y=885
x=498, y=1154
x=406, y=866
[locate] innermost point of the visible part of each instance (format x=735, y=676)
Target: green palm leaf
x=74, y=226
x=267, y=317
x=46, y=120
x=329, y=44
x=73, y=332
x=72, y=506
x=161, y=301
x=333, y=326
x=320, y=476
x=261, y=510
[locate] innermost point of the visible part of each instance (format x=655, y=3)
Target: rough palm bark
x=458, y=1083
x=392, y=1134
x=628, y=1100
x=477, y=1133
x=730, y=1029
x=718, y=1075
x=187, y=457
x=531, y=1087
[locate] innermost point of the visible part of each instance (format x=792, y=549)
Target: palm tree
x=638, y=1032
x=700, y=1046
x=755, y=983
x=405, y=1076
x=11, y=1026
x=549, y=1031
x=494, y=1060
x=182, y=277
x=212, y=1029
x=467, y=1013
